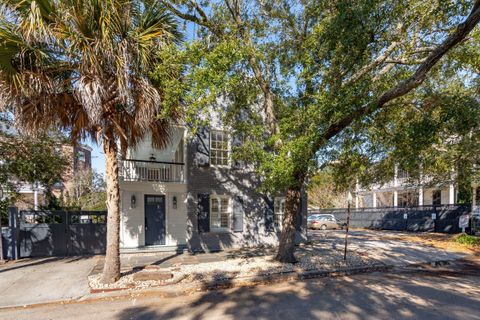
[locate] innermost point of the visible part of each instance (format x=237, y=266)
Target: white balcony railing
x=155, y=171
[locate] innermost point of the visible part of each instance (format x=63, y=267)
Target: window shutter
x=203, y=212
x=238, y=214
x=202, y=154
x=269, y=212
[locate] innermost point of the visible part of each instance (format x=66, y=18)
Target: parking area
x=388, y=247
x=41, y=280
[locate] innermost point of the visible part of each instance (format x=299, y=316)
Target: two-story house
x=400, y=192
x=192, y=195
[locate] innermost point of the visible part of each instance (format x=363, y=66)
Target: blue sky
x=98, y=158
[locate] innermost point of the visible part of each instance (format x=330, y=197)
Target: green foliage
x=26, y=159
x=323, y=61
x=434, y=133
x=468, y=240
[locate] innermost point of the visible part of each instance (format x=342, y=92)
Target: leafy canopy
x=332, y=70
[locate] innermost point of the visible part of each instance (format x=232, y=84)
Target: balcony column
x=374, y=198
x=35, y=199
x=420, y=197
x=451, y=194
x=357, y=187
x=395, y=198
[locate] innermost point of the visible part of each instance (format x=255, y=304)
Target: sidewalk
x=33, y=281
x=37, y=281
x=367, y=251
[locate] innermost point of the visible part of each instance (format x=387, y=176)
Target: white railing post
x=137, y=170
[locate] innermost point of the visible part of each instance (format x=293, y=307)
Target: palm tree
x=82, y=66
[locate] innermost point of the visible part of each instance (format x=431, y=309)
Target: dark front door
x=155, y=220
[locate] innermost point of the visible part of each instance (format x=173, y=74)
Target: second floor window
x=81, y=156
x=219, y=148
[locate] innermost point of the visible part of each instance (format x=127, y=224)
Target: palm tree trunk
x=287, y=238
x=111, y=268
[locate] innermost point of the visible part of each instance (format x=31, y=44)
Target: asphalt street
x=451, y=292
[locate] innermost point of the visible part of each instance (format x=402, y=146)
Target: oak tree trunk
x=287, y=238
x=111, y=268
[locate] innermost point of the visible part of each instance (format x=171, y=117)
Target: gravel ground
x=242, y=267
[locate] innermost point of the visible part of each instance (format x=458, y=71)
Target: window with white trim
x=278, y=210
x=81, y=156
x=220, y=211
x=219, y=148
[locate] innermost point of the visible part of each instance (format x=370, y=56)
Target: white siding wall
x=445, y=192
x=428, y=197
x=132, y=224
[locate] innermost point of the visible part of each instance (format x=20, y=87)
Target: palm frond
x=82, y=66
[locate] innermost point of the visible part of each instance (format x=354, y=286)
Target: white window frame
x=229, y=148
x=278, y=211
x=81, y=156
x=219, y=198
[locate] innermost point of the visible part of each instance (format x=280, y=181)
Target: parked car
x=323, y=222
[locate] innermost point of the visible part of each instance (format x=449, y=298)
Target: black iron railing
x=155, y=171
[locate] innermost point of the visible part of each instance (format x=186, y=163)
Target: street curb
x=227, y=283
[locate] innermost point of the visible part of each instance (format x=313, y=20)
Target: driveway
x=42, y=280
x=384, y=246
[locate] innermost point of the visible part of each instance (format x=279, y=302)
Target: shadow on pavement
x=20, y=264
x=396, y=296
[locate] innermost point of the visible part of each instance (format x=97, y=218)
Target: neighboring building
x=399, y=192
x=80, y=157
x=476, y=198
x=192, y=195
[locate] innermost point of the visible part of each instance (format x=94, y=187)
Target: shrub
x=468, y=240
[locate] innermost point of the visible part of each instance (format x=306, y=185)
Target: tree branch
x=411, y=83
x=379, y=60
x=404, y=61
x=202, y=20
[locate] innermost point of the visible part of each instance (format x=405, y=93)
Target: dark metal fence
x=440, y=218
x=54, y=233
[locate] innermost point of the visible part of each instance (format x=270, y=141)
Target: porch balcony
x=151, y=171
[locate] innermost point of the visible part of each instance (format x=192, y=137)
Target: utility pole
x=349, y=203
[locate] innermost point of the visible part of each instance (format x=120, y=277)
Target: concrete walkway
x=32, y=281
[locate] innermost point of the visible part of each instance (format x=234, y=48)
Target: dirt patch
x=436, y=240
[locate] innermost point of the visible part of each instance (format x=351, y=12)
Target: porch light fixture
x=133, y=201
x=174, y=202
